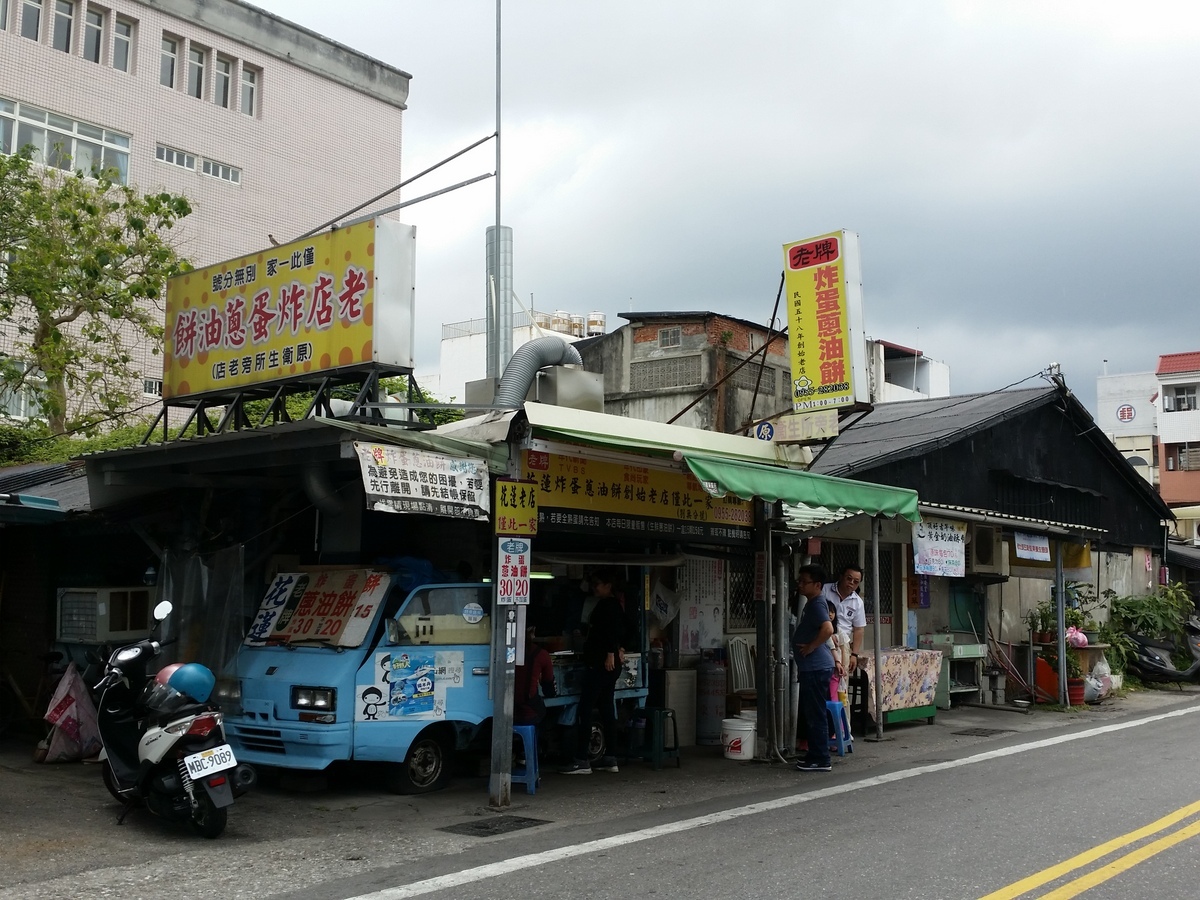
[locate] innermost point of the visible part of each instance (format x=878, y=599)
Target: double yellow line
x=1104, y=873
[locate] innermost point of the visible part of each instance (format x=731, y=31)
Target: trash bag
x=1102, y=669
x=1076, y=638
x=1096, y=689
x=75, y=734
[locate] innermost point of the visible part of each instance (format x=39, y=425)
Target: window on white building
x=224, y=83
x=21, y=402
x=64, y=24
x=175, y=157
x=1185, y=397
x=62, y=141
x=222, y=171
x=169, y=64
x=93, y=35
x=152, y=387
x=31, y=19
x=122, y=51
x=670, y=337
x=249, y=91
x=3, y=15
x=195, y=85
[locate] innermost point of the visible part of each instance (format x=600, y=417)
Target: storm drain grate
x=984, y=732
x=493, y=825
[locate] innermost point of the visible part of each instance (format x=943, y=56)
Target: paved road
x=931, y=813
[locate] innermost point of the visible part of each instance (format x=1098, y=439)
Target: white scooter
x=164, y=744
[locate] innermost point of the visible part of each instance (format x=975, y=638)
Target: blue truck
x=373, y=665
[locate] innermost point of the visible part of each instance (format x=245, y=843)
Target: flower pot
x=1075, y=691
x=1043, y=637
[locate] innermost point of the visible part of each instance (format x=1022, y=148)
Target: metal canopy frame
x=365, y=407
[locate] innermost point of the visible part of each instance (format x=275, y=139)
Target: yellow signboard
x=824, y=320
x=582, y=494
x=319, y=303
x=516, y=507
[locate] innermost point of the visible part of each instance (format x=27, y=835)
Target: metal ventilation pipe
x=523, y=367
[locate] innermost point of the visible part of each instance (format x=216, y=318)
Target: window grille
x=664, y=373
x=741, y=612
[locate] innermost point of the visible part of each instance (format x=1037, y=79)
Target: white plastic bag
x=1102, y=669
x=73, y=715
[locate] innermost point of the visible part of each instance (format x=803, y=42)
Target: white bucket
x=738, y=738
x=750, y=715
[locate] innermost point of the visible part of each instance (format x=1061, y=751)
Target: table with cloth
x=910, y=678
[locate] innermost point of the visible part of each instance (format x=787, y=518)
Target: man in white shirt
x=852, y=613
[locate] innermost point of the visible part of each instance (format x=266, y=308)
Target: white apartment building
x=268, y=128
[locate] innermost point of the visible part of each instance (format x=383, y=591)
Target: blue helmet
x=193, y=680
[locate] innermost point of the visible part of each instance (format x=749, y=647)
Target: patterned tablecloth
x=910, y=678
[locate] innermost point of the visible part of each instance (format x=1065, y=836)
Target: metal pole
x=877, y=631
x=781, y=659
x=494, y=361
x=1060, y=611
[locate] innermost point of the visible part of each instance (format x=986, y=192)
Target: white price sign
x=513, y=576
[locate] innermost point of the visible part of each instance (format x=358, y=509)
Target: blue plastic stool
x=528, y=774
x=842, y=739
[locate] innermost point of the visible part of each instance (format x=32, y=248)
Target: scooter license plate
x=206, y=762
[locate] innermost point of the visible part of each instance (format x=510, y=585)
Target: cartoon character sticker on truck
x=413, y=685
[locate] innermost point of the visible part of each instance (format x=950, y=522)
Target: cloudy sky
x=1024, y=176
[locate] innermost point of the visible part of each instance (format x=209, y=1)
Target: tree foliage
x=83, y=264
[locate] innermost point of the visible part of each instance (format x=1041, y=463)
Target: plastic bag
x=1095, y=689
x=75, y=734
x=1102, y=669
x=1076, y=638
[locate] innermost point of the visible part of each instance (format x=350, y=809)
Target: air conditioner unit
x=1196, y=533
x=100, y=615
x=986, y=553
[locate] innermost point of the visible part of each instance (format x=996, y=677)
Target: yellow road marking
x=1053, y=873
x=1121, y=864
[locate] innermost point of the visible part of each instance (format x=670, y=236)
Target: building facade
x=660, y=362
x=1127, y=412
x=1179, y=427
x=269, y=129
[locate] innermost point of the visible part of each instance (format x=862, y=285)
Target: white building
x=463, y=353
x=1127, y=413
x=269, y=129
x=901, y=373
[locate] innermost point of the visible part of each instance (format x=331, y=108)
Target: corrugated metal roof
x=899, y=430
x=991, y=516
x=1174, y=363
x=62, y=482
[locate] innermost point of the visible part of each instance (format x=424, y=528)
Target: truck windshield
x=459, y=614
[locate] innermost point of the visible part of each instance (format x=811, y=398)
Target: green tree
x=83, y=264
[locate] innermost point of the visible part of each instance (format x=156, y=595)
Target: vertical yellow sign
x=819, y=322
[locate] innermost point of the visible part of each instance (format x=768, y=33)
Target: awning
x=1182, y=555
x=838, y=496
x=28, y=509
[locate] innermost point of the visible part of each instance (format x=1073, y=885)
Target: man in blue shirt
x=814, y=663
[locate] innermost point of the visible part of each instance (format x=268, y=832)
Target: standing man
x=852, y=613
x=603, y=657
x=814, y=663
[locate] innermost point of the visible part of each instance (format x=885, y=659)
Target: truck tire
x=426, y=766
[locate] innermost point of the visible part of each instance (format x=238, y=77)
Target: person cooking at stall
x=603, y=657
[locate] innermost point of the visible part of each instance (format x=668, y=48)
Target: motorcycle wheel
x=207, y=819
x=425, y=768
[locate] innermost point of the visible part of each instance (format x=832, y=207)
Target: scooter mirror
x=162, y=610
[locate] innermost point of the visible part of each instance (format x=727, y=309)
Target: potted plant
x=1074, y=674
x=1046, y=619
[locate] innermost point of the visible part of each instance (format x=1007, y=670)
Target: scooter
x=163, y=743
x=1151, y=659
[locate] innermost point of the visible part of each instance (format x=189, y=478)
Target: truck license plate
x=208, y=761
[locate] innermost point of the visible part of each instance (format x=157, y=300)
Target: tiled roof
x=1173, y=363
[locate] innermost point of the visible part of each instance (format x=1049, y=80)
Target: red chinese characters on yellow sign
x=818, y=323
x=516, y=507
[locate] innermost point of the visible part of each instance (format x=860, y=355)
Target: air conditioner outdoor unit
x=100, y=615
x=986, y=553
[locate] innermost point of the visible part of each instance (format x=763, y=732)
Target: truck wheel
x=426, y=766
x=597, y=746
x=207, y=820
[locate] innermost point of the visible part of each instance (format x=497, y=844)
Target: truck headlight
x=314, y=698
